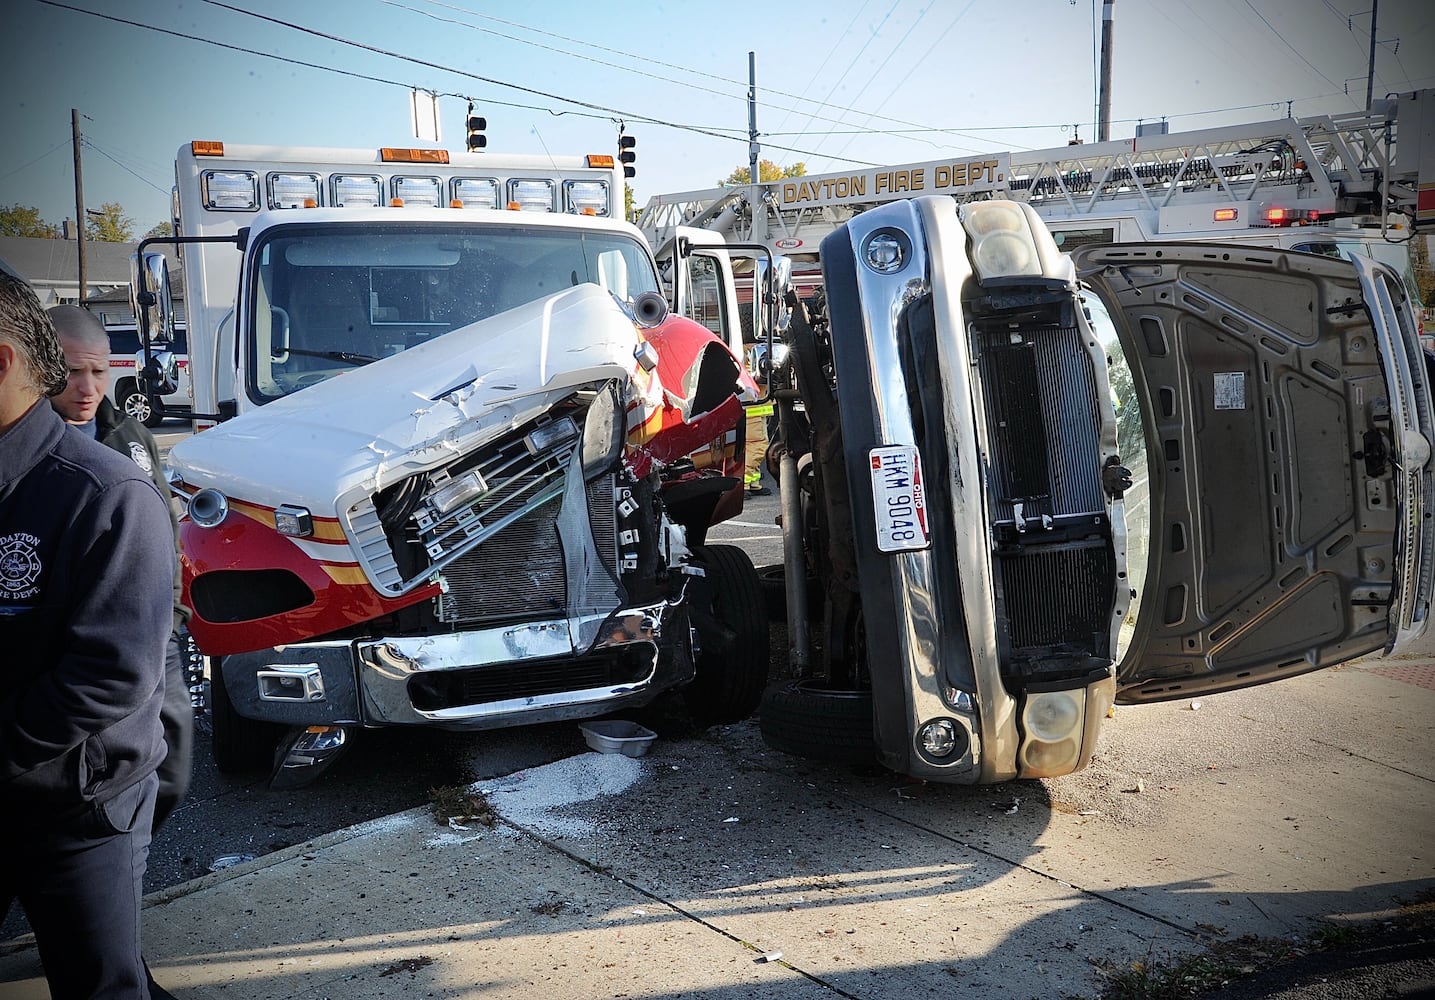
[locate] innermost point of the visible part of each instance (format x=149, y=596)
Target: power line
x=825, y=59
x=1289, y=45
x=877, y=73
x=843, y=75
x=30, y=163
x=626, y=115
x=608, y=112
x=87, y=141
x=742, y=85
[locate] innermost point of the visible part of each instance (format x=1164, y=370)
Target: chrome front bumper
x=940, y=660
x=374, y=682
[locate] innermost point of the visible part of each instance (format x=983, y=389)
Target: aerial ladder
x=1370, y=172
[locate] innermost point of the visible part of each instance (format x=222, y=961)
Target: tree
x=766, y=171
x=22, y=220
x=110, y=224
x=1424, y=272
x=161, y=229
x=629, y=212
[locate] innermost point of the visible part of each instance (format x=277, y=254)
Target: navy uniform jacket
x=128, y=436
x=86, y=602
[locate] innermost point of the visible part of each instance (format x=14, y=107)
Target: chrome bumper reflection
x=386, y=666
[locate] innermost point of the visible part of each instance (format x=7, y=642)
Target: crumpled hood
x=414, y=410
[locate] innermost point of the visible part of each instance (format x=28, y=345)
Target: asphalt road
x=232, y=817
x=1179, y=801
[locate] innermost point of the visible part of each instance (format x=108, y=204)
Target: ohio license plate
x=898, y=498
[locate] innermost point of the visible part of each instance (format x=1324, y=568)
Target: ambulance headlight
x=417, y=191
x=208, y=508
x=293, y=521
x=551, y=435
x=586, y=197
x=533, y=194
x=230, y=190
x=356, y=190
x=603, y=432
x=457, y=491
x=293, y=190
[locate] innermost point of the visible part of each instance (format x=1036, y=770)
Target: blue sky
x=841, y=83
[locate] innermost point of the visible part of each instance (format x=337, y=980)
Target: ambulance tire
x=807, y=719
x=730, y=615
x=239, y=744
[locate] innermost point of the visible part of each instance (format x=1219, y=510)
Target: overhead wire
x=1288, y=45
x=31, y=162
x=853, y=62
x=626, y=115
x=666, y=65
x=607, y=113
x=821, y=66
x=91, y=144
x=876, y=74
x=918, y=62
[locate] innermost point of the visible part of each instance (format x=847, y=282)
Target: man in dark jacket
x=85, y=404
x=86, y=603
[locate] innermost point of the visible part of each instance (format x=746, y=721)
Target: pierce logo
x=19, y=566
x=141, y=457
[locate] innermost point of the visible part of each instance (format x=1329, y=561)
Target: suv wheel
x=135, y=403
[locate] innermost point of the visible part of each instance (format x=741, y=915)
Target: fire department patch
x=19, y=566
x=140, y=454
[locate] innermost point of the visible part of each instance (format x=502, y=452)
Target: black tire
x=806, y=719
x=731, y=619
x=133, y=402
x=774, y=592
x=239, y=744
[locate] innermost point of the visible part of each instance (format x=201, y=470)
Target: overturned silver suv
x=1019, y=486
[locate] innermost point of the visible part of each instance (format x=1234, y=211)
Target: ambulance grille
x=515, y=573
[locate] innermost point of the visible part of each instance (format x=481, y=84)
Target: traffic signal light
x=476, y=124
x=626, y=154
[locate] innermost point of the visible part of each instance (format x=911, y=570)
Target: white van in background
x=125, y=392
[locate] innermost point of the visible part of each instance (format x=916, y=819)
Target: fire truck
x=1346, y=185
x=459, y=452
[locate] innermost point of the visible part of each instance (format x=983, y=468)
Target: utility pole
x=754, y=200
x=1103, y=118
x=79, y=202
x=1370, y=77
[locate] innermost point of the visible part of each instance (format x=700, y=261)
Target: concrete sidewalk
x=715, y=868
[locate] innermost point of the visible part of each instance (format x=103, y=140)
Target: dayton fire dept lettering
x=19, y=566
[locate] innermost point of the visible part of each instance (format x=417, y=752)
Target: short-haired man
x=86, y=604
x=85, y=404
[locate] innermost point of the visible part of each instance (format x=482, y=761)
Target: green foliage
x=23, y=220
x=1424, y=271
x=766, y=171
x=110, y=225
x=630, y=212
x=161, y=229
